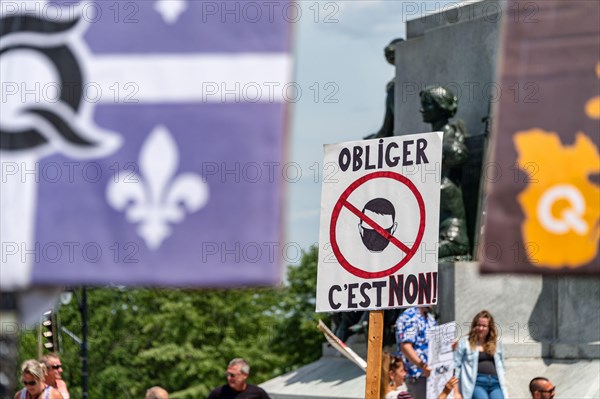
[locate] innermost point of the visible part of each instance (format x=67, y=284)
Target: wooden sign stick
x=374, y=354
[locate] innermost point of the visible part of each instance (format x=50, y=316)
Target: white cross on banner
x=140, y=143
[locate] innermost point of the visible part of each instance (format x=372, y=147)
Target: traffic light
x=48, y=331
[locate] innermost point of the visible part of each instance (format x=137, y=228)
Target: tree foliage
x=183, y=339
x=297, y=336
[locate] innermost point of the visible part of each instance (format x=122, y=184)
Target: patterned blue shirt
x=413, y=327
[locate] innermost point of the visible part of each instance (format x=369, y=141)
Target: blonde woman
x=479, y=361
x=32, y=377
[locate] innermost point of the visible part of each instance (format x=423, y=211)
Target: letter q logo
x=571, y=218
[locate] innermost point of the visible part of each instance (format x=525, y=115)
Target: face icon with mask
x=382, y=212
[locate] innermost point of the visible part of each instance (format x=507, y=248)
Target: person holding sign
x=393, y=385
x=449, y=387
x=479, y=362
x=412, y=335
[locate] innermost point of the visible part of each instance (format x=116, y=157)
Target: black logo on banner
x=43, y=89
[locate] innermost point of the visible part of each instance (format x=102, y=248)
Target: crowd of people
x=478, y=367
x=43, y=380
x=478, y=361
x=33, y=377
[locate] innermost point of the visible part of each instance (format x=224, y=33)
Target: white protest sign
x=441, y=358
x=341, y=347
x=378, y=241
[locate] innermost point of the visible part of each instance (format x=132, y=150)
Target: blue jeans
x=487, y=387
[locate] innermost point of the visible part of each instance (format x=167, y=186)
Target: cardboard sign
x=341, y=347
x=441, y=359
x=379, y=224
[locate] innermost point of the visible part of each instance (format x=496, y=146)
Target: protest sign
x=341, y=347
x=441, y=358
x=379, y=224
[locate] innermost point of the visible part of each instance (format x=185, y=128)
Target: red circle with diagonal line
x=342, y=202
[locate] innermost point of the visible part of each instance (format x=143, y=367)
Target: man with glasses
x=237, y=373
x=54, y=374
x=541, y=388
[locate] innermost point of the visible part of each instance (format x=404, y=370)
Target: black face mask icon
x=382, y=212
x=374, y=241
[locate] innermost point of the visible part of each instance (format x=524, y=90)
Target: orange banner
x=543, y=204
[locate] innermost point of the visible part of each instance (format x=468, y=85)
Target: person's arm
x=457, y=394
x=411, y=355
x=500, y=367
x=500, y=351
x=459, y=352
x=450, y=385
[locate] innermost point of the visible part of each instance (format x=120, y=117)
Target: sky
x=338, y=50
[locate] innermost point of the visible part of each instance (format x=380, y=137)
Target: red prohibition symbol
x=343, y=203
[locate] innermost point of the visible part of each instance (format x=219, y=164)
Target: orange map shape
x=561, y=205
x=592, y=107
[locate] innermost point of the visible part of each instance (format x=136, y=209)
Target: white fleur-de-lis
x=170, y=9
x=154, y=198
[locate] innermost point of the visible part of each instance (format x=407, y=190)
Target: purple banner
x=153, y=154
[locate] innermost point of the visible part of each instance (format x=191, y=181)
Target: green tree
x=183, y=339
x=298, y=339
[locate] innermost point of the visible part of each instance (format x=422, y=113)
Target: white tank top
x=45, y=392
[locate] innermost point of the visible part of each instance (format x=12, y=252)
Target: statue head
x=437, y=103
x=390, y=51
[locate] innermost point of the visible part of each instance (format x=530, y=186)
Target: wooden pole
x=39, y=340
x=374, y=354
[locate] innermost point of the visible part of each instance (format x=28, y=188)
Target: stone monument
x=549, y=325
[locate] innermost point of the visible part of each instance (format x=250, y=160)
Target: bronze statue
x=387, y=129
x=349, y=323
x=438, y=105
